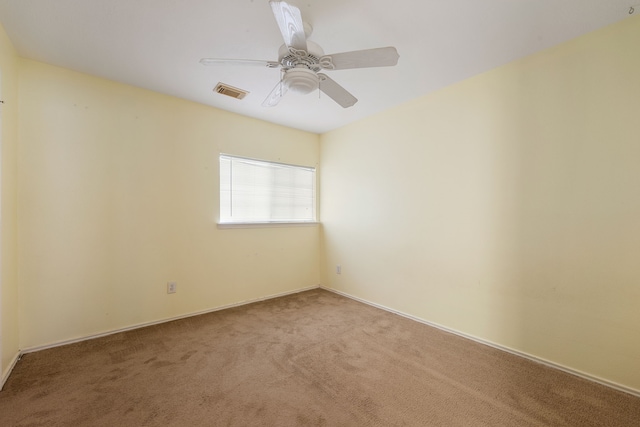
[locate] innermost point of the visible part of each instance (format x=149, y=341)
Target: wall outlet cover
x=172, y=287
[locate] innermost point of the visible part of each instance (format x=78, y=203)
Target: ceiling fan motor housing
x=292, y=58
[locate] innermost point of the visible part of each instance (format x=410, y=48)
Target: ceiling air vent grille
x=231, y=91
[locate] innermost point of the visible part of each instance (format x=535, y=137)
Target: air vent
x=231, y=91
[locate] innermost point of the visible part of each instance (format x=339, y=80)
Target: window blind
x=261, y=191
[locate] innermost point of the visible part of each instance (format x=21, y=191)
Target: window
x=256, y=191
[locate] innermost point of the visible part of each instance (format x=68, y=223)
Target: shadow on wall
x=577, y=209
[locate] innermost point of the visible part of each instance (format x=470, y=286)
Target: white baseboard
x=533, y=358
x=157, y=322
x=7, y=372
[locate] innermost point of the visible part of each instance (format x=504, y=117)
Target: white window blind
x=255, y=191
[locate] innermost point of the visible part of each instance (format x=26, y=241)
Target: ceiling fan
x=302, y=60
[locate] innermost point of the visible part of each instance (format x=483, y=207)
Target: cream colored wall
x=506, y=207
x=118, y=195
x=8, y=206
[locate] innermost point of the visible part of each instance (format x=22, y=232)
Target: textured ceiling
x=156, y=44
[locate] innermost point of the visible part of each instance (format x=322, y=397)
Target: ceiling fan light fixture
x=301, y=80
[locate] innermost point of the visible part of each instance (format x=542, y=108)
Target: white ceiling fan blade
x=291, y=26
x=250, y=62
x=336, y=92
x=276, y=95
x=378, y=57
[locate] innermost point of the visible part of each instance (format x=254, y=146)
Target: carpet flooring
x=309, y=359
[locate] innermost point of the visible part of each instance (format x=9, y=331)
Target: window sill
x=224, y=225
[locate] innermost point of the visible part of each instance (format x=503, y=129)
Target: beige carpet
x=310, y=359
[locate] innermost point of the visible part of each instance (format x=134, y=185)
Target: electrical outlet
x=172, y=287
x=338, y=269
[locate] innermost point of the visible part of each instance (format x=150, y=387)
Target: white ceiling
x=156, y=44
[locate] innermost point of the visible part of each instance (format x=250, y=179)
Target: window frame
x=266, y=223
